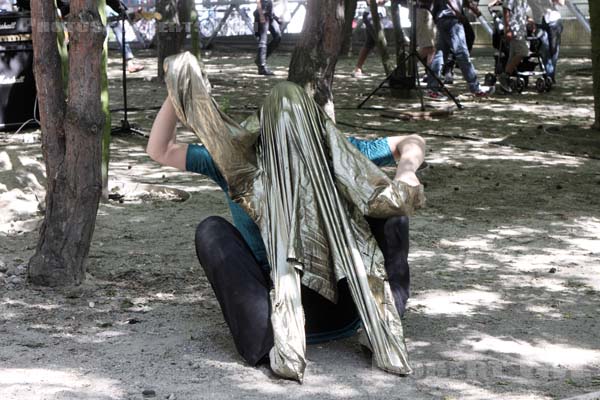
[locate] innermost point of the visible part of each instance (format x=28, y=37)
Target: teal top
x=199, y=160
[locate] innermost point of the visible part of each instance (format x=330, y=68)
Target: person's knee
x=207, y=231
x=396, y=224
x=416, y=140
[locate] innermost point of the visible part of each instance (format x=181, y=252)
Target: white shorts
x=425, y=29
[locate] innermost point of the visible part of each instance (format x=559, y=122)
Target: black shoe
x=265, y=71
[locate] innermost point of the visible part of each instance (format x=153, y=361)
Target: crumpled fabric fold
x=308, y=189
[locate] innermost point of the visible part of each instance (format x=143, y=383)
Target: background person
x=266, y=21
x=515, y=33
x=370, y=41
x=451, y=39
x=547, y=17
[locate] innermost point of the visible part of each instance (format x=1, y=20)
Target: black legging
x=242, y=286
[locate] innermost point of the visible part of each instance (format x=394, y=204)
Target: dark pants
x=264, y=49
x=242, y=286
x=550, y=45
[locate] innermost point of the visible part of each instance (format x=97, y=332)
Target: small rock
x=149, y=393
x=107, y=324
x=497, y=183
x=15, y=280
x=171, y=397
x=559, y=187
x=91, y=304
x=4, y=268
x=552, y=270
x=456, y=188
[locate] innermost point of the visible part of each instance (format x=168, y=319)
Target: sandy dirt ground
x=505, y=258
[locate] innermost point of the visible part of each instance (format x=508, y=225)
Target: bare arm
x=507, y=32
x=559, y=2
x=162, y=145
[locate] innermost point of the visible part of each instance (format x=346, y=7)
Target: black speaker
x=17, y=83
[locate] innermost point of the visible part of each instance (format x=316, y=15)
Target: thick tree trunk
x=595, y=25
x=171, y=30
x=71, y=140
x=349, y=11
x=314, y=58
x=380, y=39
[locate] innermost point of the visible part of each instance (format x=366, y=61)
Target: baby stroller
x=530, y=68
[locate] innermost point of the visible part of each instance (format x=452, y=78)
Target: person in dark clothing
x=266, y=21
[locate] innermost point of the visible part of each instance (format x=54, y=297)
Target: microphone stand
x=125, y=126
x=413, y=60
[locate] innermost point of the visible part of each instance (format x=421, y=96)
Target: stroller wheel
x=518, y=84
x=490, y=79
x=548, y=81
x=540, y=85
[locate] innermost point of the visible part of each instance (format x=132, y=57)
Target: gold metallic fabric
x=309, y=190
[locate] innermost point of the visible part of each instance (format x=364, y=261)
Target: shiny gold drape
x=308, y=189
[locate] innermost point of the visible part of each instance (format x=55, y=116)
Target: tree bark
x=594, y=6
x=71, y=140
x=315, y=56
x=380, y=39
x=349, y=11
x=171, y=30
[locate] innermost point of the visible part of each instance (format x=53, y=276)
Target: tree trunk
x=349, y=11
x=380, y=39
x=71, y=140
x=314, y=58
x=595, y=25
x=171, y=30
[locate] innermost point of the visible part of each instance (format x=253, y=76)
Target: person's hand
x=494, y=3
x=509, y=35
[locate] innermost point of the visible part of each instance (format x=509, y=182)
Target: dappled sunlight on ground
x=56, y=383
x=541, y=352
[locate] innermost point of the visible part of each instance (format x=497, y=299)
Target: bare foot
x=408, y=177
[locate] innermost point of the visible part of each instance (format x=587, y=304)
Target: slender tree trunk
x=71, y=140
x=106, y=134
x=171, y=29
x=594, y=6
x=380, y=39
x=315, y=56
x=349, y=11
